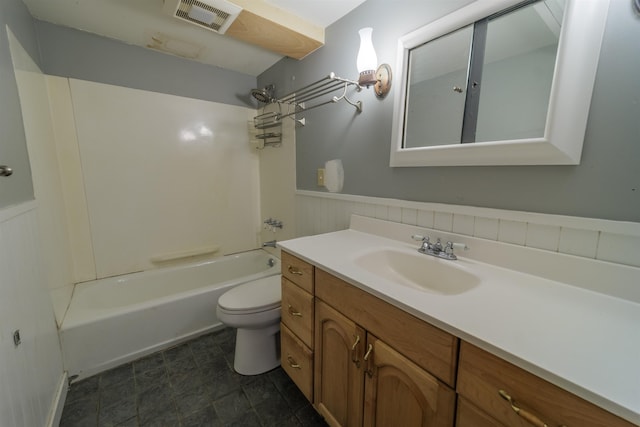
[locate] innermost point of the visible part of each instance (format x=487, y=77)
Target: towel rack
x=299, y=99
x=317, y=90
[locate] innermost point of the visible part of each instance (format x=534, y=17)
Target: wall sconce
x=367, y=62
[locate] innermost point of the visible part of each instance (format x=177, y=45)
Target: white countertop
x=583, y=341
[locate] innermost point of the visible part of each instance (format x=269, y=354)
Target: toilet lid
x=258, y=295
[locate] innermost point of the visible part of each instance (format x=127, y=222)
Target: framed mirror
x=498, y=82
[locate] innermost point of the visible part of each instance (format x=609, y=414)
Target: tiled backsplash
x=614, y=241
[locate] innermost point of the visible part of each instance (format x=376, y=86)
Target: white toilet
x=254, y=309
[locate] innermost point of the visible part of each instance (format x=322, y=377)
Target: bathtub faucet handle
x=271, y=223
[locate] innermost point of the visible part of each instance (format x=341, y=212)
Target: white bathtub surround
x=39, y=132
x=614, y=241
x=568, y=319
x=119, y=319
x=163, y=174
x=125, y=175
x=32, y=381
x=73, y=188
x=278, y=182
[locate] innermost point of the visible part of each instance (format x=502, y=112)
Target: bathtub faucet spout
x=270, y=243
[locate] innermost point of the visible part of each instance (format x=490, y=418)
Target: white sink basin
x=418, y=271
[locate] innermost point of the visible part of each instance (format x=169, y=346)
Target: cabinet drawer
x=482, y=375
x=470, y=416
x=433, y=349
x=297, y=361
x=298, y=271
x=297, y=311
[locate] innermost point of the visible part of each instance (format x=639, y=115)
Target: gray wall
x=605, y=185
x=72, y=53
x=13, y=146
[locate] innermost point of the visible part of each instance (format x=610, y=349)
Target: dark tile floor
x=192, y=384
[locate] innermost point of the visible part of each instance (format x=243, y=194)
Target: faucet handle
x=462, y=246
x=425, y=246
x=451, y=246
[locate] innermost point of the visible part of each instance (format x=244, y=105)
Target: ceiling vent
x=214, y=15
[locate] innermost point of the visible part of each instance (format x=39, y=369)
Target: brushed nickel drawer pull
x=524, y=414
x=354, y=352
x=292, y=311
x=294, y=270
x=292, y=362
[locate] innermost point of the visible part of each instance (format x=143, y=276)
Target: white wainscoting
x=613, y=241
x=31, y=376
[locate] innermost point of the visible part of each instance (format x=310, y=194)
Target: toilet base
x=257, y=350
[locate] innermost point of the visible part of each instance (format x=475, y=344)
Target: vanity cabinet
x=364, y=362
x=486, y=383
x=376, y=364
x=296, y=328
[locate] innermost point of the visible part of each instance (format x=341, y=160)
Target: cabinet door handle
x=294, y=270
x=354, y=351
x=368, y=353
x=367, y=358
x=522, y=413
x=292, y=311
x=292, y=362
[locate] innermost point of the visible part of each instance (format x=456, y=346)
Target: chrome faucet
x=270, y=243
x=436, y=249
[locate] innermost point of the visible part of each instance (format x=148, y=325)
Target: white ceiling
x=137, y=21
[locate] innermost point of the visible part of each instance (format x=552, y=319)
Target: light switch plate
x=320, y=177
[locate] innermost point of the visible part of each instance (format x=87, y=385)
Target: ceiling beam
x=265, y=25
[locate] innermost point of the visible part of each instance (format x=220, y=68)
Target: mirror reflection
x=519, y=61
x=435, y=95
x=489, y=81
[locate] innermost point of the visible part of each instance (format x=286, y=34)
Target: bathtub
x=119, y=319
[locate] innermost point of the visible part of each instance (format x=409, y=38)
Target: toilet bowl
x=254, y=309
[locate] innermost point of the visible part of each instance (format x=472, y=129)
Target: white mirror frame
x=576, y=65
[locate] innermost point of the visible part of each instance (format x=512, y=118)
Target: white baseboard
x=55, y=412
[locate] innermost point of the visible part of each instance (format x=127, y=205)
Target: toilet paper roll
x=333, y=175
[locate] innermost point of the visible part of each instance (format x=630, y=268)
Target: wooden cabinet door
x=399, y=393
x=338, y=377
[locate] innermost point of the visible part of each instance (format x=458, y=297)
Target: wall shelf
x=267, y=129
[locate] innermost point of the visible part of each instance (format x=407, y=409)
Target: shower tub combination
x=119, y=319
